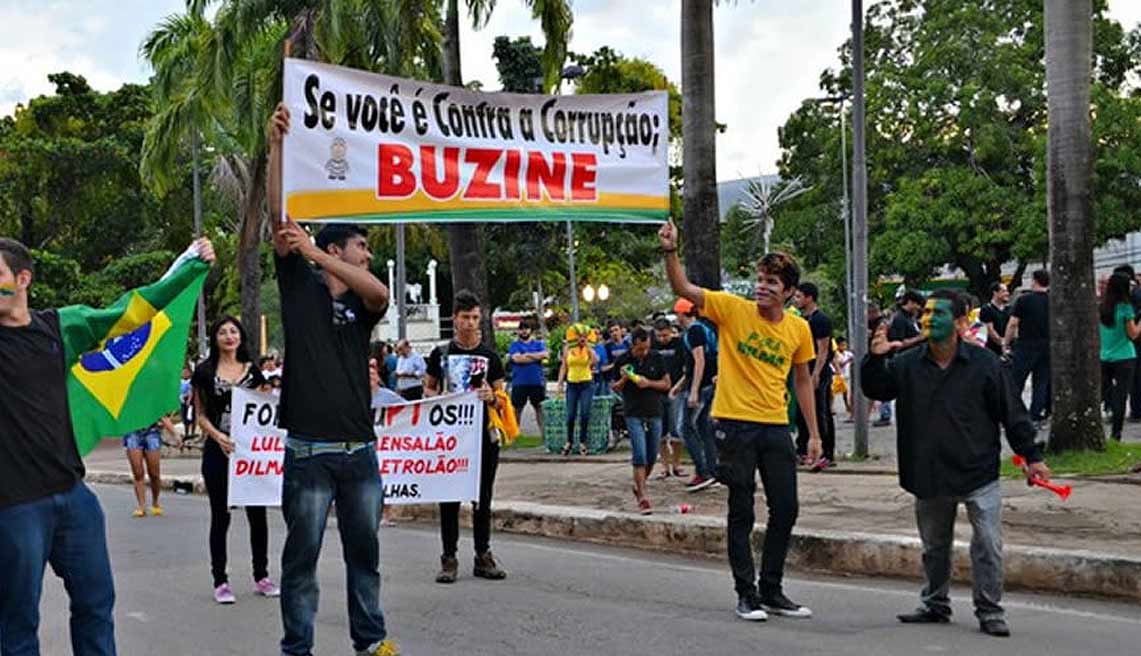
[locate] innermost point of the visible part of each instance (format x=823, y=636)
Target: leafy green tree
x=956, y=125
x=520, y=64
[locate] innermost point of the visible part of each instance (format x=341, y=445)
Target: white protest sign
x=427, y=451
x=373, y=148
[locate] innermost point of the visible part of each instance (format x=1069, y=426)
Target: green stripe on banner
x=509, y=215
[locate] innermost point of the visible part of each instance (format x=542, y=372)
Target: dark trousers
x=1033, y=357
x=65, y=530
x=481, y=515
x=824, y=421
x=1116, y=381
x=1135, y=391
x=743, y=448
x=216, y=476
x=413, y=393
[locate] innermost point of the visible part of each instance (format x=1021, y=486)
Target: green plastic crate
x=555, y=424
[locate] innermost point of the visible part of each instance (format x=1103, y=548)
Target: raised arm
x=680, y=284
x=359, y=279
x=278, y=127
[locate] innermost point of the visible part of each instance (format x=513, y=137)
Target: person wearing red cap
x=758, y=344
x=699, y=340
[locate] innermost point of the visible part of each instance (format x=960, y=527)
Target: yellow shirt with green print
x=754, y=357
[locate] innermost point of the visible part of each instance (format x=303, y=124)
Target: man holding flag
x=68, y=377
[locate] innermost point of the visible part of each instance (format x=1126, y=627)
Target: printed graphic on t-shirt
x=343, y=314
x=461, y=368
x=767, y=350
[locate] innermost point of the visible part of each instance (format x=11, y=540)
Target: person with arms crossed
x=528, y=384
x=328, y=311
x=758, y=344
x=47, y=514
x=952, y=398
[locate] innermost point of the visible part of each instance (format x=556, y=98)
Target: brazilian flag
x=132, y=376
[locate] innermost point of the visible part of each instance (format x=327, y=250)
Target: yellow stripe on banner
x=306, y=205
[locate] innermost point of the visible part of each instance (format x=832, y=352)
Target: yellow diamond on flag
x=109, y=372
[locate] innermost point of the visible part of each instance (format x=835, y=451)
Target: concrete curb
x=1038, y=569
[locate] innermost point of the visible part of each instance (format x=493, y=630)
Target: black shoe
x=778, y=604
x=995, y=627
x=486, y=568
x=749, y=608
x=449, y=568
x=925, y=616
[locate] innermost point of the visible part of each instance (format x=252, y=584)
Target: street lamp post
x=572, y=72
x=859, y=337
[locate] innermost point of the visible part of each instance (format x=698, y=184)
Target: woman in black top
x=228, y=366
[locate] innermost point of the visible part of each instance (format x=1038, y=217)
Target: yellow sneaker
x=156, y=511
x=386, y=648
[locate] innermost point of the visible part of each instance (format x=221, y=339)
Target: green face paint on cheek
x=938, y=322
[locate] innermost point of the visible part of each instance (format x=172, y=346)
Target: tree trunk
x=465, y=240
x=1075, y=375
x=701, y=226
x=249, y=256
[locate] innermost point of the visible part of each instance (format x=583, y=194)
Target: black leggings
x=216, y=474
x=1116, y=381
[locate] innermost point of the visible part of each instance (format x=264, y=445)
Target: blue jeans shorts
x=148, y=439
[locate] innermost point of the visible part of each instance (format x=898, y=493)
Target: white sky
x=769, y=52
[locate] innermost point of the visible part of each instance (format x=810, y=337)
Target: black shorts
x=522, y=394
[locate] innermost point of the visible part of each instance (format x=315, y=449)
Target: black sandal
x=567, y=449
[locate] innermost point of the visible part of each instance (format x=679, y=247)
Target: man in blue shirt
x=528, y=384
x=616, y=346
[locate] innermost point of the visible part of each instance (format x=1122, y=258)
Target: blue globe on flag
x=118, y=351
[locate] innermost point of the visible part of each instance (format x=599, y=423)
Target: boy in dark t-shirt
x=462, y=365
x=643, y=382
x=328, y=311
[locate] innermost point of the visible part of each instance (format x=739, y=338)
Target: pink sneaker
x=224, y=595
x=267, y=588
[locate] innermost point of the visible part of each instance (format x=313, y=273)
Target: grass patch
x=527, y=442
x=1118, y=458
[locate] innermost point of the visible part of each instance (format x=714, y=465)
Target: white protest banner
x=427, y=451
x=259, y=449
x=373, y=148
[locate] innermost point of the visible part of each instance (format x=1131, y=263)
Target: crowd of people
x=730, y=378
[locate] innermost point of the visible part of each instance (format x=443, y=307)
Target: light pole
x=859, y=338
x=572, y=72
x=845, y=211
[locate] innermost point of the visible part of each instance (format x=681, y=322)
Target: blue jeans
x=579, y=398
x=645, y=434
x=697, y=431
x=67, y=531
x=312, y=482
x=885, y=411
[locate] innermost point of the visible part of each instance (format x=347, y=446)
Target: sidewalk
x=854, y=519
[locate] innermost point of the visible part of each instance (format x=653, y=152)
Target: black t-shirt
x=455, y=375
x=38, y=455
x=902, y=327
x=1033, y=312
x=325, y=390
x=215, y=394
x=673, y=353
x=821, y=327
x=636, y=401
x=991, y=313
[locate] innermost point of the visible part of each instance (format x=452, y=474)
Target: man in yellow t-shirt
x=758, y=344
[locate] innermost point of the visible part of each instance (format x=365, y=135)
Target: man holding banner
x=330, y=454
x=465, y=365
x=69, y=375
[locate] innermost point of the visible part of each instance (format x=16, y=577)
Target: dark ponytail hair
x=1116, y=293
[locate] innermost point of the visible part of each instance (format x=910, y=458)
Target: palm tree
x=701, y=218
x=763, y=196
x=465, y=240
x=225, y=78
x=1076, y=385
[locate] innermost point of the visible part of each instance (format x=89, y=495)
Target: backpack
x=710, y=339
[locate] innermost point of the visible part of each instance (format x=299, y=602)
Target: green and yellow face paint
x=938, y=321
x=7, y=290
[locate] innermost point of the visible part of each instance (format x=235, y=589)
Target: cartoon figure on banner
x=337, y=166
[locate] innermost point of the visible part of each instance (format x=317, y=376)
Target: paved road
x=561, y=598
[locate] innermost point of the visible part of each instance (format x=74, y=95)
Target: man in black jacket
x=952, y=398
